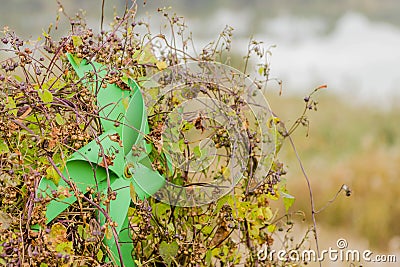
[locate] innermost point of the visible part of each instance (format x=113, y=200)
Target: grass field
x=354, y=145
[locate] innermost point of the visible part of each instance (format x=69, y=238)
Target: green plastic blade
x=104, y=160
x=104, y=150
x=84, y=170
x=146, y=181
x=135, y=121
x=116, y=105
x=55, y=207
x=109, y=99
x=118, y=208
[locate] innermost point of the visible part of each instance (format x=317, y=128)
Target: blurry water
x=357, y=58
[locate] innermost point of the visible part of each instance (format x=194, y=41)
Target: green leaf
x=275, y=129
x=58, y=231
x=197, y=151
x=178, y=180
x=131, y=212
x=271, y=228
x=65, y=247
x=267, y=213
x=11, y=106
x=208, y=257
x=46, y=96
x=75, y=59
x=125, y=79
x=51, y=83
x=59, y=119
x=84, y=232
x=197, y=226
x=187, y=126
x=58, y=238
x=18, y=78
x=226, y=172
x=76, y=40
x=71, y=95
x=171, y=227
x=261, y=70
x=161, y=210
x=168, y=251
x=145, y=55
x=4, y=148
x=254, y=231
x=182, y=145
x=100, y=255
x=288, y=200
x=81, y=230
x=45, y=34
x=262, y=213
x=227, y=199
x=44, y=265
x=207, y=229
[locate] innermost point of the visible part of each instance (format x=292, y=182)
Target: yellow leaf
x=5, y=220
x=132, y=192
x=52, y=175
x=226, y=172
x=58, y=232
x=267, y=213
x=100, y=255
x=161, y=65
x=145, y=55
x=109, y=234
x=46, y=96
x=125, y=102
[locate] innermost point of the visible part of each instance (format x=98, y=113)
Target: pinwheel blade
x=84, y=170
x=146, y=181
x=102, y=164
x=118, y=211
x=55, y=207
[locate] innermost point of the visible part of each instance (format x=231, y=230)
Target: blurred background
x=353, y=138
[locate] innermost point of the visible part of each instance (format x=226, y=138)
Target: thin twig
x=313, y=212
x=22, y=125
x=102, y=14
x=115, y=234
x=342, y=188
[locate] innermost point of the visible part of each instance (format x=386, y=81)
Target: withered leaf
x=116, y=138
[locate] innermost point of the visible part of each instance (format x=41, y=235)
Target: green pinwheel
x=109, y=162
